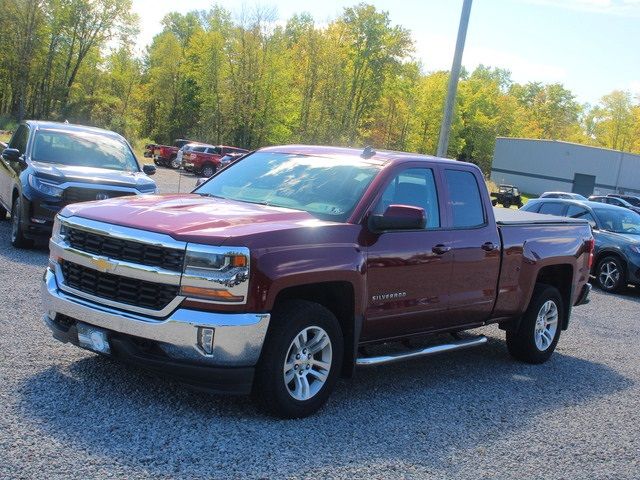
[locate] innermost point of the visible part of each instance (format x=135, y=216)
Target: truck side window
x=19, y=139
x=552, y=208
x=415, y=187
x=465, y=199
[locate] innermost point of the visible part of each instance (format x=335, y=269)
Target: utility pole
x=445, y=128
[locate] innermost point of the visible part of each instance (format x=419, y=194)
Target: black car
x=617, y=234
x=632, y=199
x=48, y=165
x=611, y=200
x=507, y=195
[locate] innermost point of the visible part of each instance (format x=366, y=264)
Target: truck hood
x=191, y=217
x=67, y=173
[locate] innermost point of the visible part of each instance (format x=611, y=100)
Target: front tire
x=3, y=213
x=174, y=163
x=538, y=333
x=610, y=274
x=301, y=360
x=18, y=239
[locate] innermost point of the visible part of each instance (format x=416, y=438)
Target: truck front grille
x=127, y=250
x=79, y=194
x=130, y=291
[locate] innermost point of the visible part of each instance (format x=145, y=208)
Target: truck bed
x=508, y=216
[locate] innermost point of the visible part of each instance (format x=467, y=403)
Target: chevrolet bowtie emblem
x=102, y=264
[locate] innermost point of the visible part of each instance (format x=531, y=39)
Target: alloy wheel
x=546, y=325
x=307, y=363
x=609, y=275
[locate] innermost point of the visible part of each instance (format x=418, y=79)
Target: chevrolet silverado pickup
x=285, y=271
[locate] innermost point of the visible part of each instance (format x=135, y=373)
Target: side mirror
x=399, y=217
x=149, y=169
x=200, y=181
x=11, y=154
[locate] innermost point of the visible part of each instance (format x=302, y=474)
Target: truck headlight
x=216, y=274
x=45, y=187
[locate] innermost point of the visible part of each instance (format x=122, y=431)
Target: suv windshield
x=327, y=188
x=83, y=149
x=618, y=221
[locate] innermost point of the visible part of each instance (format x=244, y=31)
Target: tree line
x=244, y=79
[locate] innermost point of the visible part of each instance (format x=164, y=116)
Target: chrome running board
x=423, y=352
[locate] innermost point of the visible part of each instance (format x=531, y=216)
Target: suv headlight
x=45, y=187
x=216, y=274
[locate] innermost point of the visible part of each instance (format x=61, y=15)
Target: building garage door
x=583, y=184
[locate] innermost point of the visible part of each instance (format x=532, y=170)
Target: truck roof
x=382, y=156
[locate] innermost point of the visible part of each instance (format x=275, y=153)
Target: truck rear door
x=475, y=246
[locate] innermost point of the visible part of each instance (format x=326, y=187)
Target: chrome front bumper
x=238, y=338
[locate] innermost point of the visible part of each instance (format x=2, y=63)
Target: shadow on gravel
x=424, y=412
x=36, y=256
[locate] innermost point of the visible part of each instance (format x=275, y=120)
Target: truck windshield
x=618, y=221
x=83, y=149
x=327, y=188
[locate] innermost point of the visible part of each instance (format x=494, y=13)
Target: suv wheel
x=18, y=239
x=175, y=163
x=538, y=333
x=208, y=170
x=300, y=361
x=610, y=274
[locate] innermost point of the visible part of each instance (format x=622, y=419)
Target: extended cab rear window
x=464, y=198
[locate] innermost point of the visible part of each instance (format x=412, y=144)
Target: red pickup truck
x=165, y=155
x=276, y=275
x=205, y=160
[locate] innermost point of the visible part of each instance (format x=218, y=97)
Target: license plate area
x=93, y=338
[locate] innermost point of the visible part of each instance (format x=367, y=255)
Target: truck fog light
x=205, y=339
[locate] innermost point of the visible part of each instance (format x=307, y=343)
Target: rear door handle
x=440, y=249
x=488, y=246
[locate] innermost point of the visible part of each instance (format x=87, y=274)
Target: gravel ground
x=66, y=413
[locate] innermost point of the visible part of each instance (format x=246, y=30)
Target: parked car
x=206, y=160
x=618, y=202
x=166, y=155
x=271, y=276
x=632, y=199
x=49, y=165
x=506, y=196
x=566, y=195
x=617, y=234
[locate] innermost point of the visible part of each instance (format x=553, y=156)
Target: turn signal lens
x=218, y=294
x=239, y=261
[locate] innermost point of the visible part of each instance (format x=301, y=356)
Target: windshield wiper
x=210, y=195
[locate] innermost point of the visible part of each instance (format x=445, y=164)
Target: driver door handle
x=488, y=246
x=440, y=249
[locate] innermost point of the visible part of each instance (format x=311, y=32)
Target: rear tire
x=538, y=333
x=610, y=274
x=18, y=239
x=301, y=360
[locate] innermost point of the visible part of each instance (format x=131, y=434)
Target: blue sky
x=591, y=46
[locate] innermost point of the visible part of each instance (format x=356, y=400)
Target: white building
x=536, y=166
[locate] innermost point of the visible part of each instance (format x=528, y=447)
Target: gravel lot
x=66, y=413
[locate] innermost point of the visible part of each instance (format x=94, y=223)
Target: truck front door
x=408, y=272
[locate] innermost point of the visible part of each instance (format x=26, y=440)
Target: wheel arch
x=339, y=298
x=561, y=277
